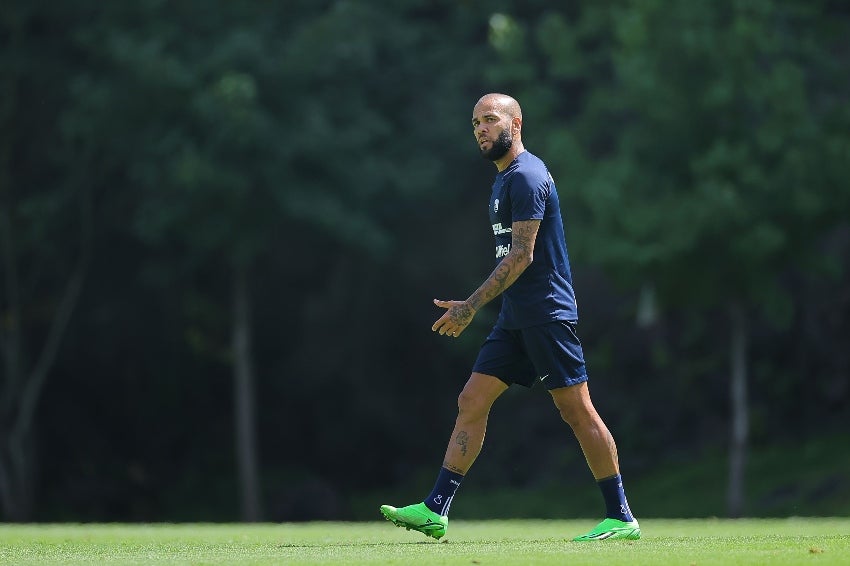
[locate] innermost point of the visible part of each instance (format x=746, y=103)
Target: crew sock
x=444, y=491
x=616, y=505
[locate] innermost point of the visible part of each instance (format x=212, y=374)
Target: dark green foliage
x=149, y=149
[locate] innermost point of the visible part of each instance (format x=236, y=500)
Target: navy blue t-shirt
x=544, y=292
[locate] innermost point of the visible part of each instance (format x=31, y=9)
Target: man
x=534, y=336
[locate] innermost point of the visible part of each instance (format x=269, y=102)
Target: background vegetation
x=223, y=224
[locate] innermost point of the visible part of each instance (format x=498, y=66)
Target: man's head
x=497, y=125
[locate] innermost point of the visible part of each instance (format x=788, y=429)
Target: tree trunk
x=22, y=388
x=739, y=411
x=243, y=380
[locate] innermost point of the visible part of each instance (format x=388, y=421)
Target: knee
x=566, y=415
x=471, y=405
x=575, y=416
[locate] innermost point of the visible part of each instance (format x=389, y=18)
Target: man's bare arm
x=460, y=313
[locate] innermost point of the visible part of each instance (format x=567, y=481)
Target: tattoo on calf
x=462, y=440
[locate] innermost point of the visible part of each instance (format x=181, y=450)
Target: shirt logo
x=502, y=251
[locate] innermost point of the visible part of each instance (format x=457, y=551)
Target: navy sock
x=444, y=491
x=616, y=505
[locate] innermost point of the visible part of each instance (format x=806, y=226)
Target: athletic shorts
x=550, y=353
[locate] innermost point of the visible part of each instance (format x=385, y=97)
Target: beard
x=500, y=147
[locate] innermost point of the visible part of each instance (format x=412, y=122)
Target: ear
x=516, y=125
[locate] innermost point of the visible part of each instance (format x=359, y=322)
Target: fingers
x=441, y=324
x=446, y=327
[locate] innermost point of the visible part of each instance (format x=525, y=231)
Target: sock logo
x=438, y=500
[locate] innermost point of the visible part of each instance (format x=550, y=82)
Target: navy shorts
x=550, y=353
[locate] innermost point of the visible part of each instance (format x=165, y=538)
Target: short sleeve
x=529, y=193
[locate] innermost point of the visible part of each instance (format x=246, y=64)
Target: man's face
x=499, y=147
x=492, y=131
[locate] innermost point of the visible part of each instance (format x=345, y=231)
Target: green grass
x=498, y=543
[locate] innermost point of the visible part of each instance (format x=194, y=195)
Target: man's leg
x=474, y=402
x=600, y=451
x=595, y=439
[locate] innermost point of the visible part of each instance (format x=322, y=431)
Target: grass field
x=498, y=543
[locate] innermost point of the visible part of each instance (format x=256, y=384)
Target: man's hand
x=456, y=318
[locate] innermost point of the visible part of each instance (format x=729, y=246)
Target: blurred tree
x=46, y=226
x=697, y=150
x=246, y=137
x=279, y=190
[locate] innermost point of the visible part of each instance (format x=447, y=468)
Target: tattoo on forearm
x=511, y=266
x=462, y=439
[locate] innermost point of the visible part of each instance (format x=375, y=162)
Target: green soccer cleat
x=612, y=529
x=417, y=517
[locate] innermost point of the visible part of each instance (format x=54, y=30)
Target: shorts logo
x=496, y=205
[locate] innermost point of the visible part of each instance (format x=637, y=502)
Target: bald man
x=534, y=338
